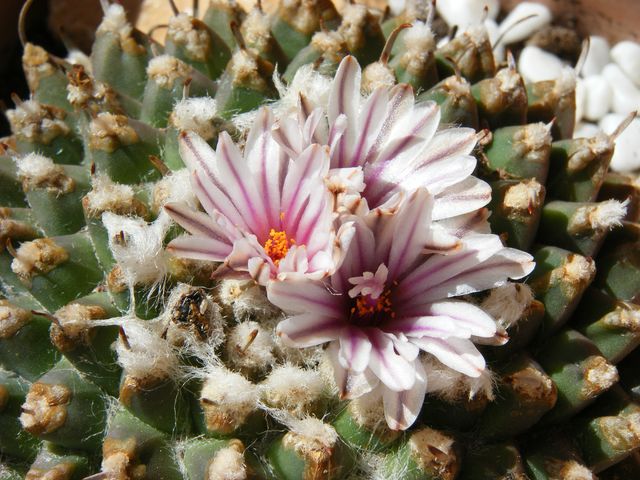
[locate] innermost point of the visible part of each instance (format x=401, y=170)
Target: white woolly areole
x=138, y=247
x=599, y=375
x=256, y=29
x=115, y=21
x=244, y=69
x=78, y=57
x=523, y=196
x=293, y=389
x=174, y=187
x=331, y=44
x=507, y=303
x=194, y=40
x=37, y=168
x=231, y=389
x=307, y=81
x=376, y=75
x=601, y=216
x=165, y=70
x=419, y=44
x=315, y=431
x=250, y=347
x=39, y=256
x=246, y=300
x=12, y=319
x=566, y=82
x=106, y=195
x=76, y=319
x=454, y=386
x=37, y=123
x=196, y=114
x=145, y=355
x=228, y=464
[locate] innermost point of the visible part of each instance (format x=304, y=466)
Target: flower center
x=277, y=245
x=369, y=311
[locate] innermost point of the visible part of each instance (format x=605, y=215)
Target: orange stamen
x=278, y=245
x=364, y=307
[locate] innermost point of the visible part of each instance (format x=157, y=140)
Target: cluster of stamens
x=277, y=245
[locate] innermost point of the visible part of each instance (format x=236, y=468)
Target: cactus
x=233, y=256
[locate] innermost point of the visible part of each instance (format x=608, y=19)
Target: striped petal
x=457, y=353
x=350, y=384
x=309, y=329
x=200, y=248
x=464, y=197
x=355, y=349
x=307, y=297
x=401, y=409
x=390, y=367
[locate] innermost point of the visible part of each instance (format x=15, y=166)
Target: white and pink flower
x=392, y=298
x=397, y=143
x=267, y=215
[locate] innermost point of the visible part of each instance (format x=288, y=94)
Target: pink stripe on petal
x=345, y=92
x=445, y=144
x=355, y=349
x=370, y=122
x=392, y=370
x=401, y=409
x=456, y=353
x=419, y=326
x=198, y=223
x=214, y=201
x=350, y=384
x=465, y=315
x=309, y=329
x=199, y=248
x=301, y=296
x=464, y=197
x=197, y=154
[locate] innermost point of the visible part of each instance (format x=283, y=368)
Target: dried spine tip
x=434, y=452
x=599, y=375
x=597, y=217
x=164, y=70
x=108, y=196
x=37, y=257
x=108, y=132
x=12, y=319
x=227, y=399
x=45, y=408
x=315, y=442
x=37, y=123
x=191, y=34
x=37, y=171
x=11, y=229
x=524, y=197
x=197, y=115
x=228, y=463
x=295, y=390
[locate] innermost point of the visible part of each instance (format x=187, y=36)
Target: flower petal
x=309, y=329
x=355, y=349
x=193, y=221
x=465, y=316
x=464, y=197
x=350, y=384
x=457, y=353
x=295, y=296
x=199, y=248
x=392, y=370
x=401, y=409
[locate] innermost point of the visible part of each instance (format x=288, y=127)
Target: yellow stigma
x=278, y=245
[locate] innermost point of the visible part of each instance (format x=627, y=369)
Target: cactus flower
x=392, y=299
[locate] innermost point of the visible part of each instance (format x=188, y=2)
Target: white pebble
x=598, y=97
x=626, y=156
x=627, y=55
x=527, y=27
x=597, y=57
x=536, y=65
x=626, y=96
x=466, y=12
x=586, y=130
